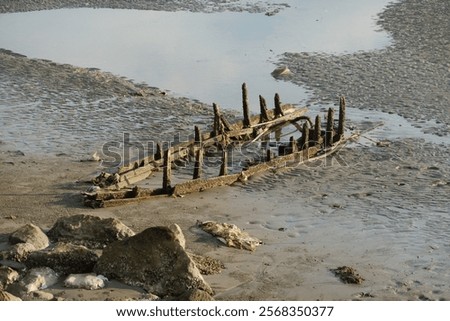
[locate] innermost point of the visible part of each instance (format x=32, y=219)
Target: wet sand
x=382, y=210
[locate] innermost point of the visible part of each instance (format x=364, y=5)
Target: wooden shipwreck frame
x=312, y=143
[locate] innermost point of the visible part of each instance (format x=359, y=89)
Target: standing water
x=204, y=56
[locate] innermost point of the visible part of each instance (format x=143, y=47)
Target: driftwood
x=117, y=188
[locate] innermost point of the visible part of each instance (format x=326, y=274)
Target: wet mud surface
x=380, y=206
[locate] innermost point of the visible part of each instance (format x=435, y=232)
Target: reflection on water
x=202, y=56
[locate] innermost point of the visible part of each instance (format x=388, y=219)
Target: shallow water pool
x=204, y=56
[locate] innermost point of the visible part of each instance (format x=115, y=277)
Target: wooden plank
x=198, y=185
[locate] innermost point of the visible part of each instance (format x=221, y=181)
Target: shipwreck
x=310, y=140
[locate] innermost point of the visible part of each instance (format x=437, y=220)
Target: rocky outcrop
x=88, y=230
x=31, y=234
x=64, y=258
x=155, y=260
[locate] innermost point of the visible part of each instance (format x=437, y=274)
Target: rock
x=88, y=230
x=87, y=281
x=36, y=279
x=206, y=264
x=195, y=295
x=7, y=276
x=348, y=274
x=37, y=296
x=20, y=251
x=179, y=236
x=31, y=234
x=6, y=296
x=13, y=265
x=154, y=260
x=230, y=235
x=281, y=72
x=64, y=258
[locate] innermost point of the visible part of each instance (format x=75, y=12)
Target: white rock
x=281, y=72
x=39, y=279
x=85, y=281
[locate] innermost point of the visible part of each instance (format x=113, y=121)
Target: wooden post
x=198, y=163
x=329, y=132
x=197, y=136
x=278, y=109
x=305, y=136
x=225, y=123
x=341, y=126
x=268, y=155
x=167, y=175
x=278, y=134
x=216, y=119
x=158, y=154
x=245, y=106
x=263, y=108
x=317, y=130
x=293, y=145
x=224, y=165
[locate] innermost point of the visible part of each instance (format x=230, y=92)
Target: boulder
x=195, y=295
x=19, y=252
x=91, y=231
x=31, y=234
x=35, y=279
x=64, y=258
x=6, y=296
x=7, y=276
x=154, y=260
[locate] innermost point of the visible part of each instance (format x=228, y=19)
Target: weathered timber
x=227, y=132
x=317, y=130
x=224, y=165
x=341, y=126
x=250, y=129
x=289, y=161
x=293, y=145
x=264, y=116
x=198, y=163
x=245, y=107
x=199, y=185
x=197, y=136
x=159, y=151
x=278, y=110
x=330, y=127
x=305, y=136
x=167, y=174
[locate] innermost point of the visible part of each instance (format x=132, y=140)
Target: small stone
x=7, y=276
x=87, y=281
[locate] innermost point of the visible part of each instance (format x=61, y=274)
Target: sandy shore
x=381, y=210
